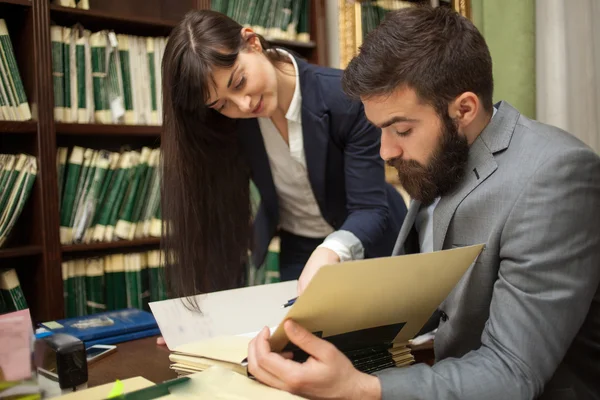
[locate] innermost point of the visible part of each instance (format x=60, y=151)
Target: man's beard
x=444, y=171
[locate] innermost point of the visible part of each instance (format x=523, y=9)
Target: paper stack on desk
x=368, y=309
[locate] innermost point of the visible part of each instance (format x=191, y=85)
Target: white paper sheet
x=229, y=312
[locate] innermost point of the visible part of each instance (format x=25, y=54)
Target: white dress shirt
x=299, y=211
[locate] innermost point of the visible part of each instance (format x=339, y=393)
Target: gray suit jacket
x=524, y=321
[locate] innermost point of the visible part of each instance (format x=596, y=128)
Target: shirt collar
x=294, y=112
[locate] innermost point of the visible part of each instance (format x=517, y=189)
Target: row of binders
x=107, y=196
x=101, y=77
x=17, y=175
x=13, y=99
x=274, y=19
x=113, y=282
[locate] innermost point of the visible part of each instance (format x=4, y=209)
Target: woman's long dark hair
x=205, y=187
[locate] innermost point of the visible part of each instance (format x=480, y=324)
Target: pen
x=289, y=303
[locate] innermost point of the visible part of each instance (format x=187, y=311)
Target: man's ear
x=249, y=36
x=464, y=109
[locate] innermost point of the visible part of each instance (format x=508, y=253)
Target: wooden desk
x=136, y=358
x=144, y=358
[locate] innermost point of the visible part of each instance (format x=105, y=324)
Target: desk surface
x=141, y=357
x=145, y=358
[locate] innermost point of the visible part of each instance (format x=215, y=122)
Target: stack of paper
x=368, y=309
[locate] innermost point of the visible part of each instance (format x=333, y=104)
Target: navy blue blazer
x=345, y=169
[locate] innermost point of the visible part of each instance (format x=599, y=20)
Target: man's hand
x=327, y=374
x=320, y=257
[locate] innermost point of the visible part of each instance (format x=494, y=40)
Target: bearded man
x=524, y=321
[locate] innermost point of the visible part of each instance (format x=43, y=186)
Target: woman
x=236, y=110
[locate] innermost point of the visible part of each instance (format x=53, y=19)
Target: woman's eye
x=405, y=133
x=222, y=107
x=241, y=83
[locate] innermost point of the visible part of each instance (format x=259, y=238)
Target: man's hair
x=434, y=51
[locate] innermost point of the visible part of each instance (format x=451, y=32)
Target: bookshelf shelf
x=26, y=3
x=122, y=244
x=18, y=127
x=107, y=130
x=292, y=43
x=96, y=19
x=23, y=251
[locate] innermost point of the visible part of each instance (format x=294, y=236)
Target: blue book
x=104, y=325
x=124, y=338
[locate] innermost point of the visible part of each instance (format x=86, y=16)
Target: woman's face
x=249, y=88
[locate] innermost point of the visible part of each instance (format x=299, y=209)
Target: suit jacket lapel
x=481, y=164
x=407, y=226
x=253, y=146
x=494, y=138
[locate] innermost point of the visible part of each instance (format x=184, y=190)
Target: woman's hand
x=320, y=257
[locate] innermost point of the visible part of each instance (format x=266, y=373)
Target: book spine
x=109, y=285
x=126, y=74
x=73, y=171
x=145, y=281
x=115, y=81
x=80, y=289
x=11, y=290
x=98, y=44
x=58, y=74
x=304, y=22
x=80, y=67
x=66, y=44
x=9, y=180
x=67, y=296
x=88, y=157
x=95, y=285
x=61, y=167
x=152, y=75
x=133, y=280
x=119, y=282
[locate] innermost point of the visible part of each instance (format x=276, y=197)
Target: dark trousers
x=294, y=252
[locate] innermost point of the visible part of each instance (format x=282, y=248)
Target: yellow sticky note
x=116, y=390
x=52, y=325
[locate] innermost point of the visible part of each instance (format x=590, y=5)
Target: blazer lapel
x=253, y=146
x=315, y=130
x=407, y=226
x=494, y=138
x=316, y=140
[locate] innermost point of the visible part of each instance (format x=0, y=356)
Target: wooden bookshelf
x=18, y=127
x=16, y=252
x=97, y=19
x=25, y=3
x=292, y=43
x=34, y=247
x=107, y=130
x=122, y=244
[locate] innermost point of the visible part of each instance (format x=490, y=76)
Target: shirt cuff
x=345, y=244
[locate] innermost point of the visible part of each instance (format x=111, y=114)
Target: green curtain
x=509, y=30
